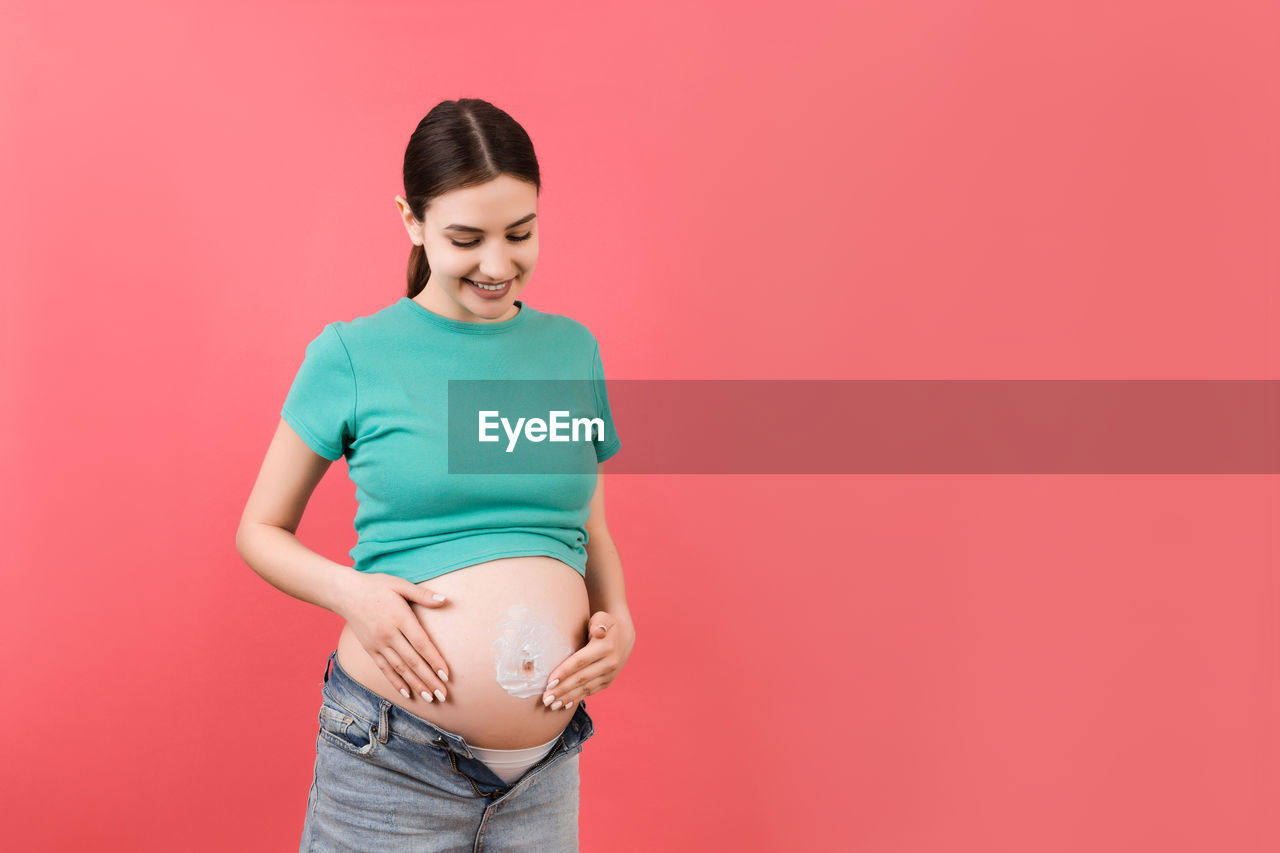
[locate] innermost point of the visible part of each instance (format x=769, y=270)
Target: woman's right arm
x=266, y=538
x=374, y=605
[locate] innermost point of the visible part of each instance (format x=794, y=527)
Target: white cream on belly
x=526, y=650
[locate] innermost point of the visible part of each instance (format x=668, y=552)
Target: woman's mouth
x=490, y=292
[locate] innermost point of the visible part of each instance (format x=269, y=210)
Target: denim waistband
x=360, y=701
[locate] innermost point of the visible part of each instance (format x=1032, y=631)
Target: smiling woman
x=458, y=283
x=481, y=608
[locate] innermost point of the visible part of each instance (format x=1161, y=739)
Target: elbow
x=244, y=538
x=248, y=534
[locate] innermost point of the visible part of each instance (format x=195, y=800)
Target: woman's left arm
x=610, y=633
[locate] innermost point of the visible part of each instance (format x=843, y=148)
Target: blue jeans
x=389, y=781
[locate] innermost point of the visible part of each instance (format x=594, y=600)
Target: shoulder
x=368, y=330
x=565, y=329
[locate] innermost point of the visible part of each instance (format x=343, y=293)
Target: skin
x=497, y=254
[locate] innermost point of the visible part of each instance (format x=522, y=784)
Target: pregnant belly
x=496, y=610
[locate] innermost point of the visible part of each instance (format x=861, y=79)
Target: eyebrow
x=471, y=230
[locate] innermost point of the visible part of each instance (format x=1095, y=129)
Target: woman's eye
x=513, y=239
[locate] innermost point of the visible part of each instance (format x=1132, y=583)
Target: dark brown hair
x=460, y=144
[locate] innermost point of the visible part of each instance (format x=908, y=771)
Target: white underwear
x=510, y=764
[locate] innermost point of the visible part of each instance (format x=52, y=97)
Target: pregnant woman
x=486, y=600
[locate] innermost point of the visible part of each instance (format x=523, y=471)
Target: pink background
x=803, y=190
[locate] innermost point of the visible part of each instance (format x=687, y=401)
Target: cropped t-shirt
x=375, y=391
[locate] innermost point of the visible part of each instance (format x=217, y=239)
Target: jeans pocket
x=347, y=731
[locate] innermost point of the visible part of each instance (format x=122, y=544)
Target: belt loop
x=328, y=664
x=384, y=728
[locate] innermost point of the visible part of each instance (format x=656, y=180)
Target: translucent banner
x=800, y=426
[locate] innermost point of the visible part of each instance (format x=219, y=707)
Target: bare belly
x=491, y=607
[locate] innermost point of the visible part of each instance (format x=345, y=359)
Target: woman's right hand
x=379, y=614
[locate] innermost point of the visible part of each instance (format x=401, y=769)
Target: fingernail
x=553, y=684
x=438, y=597
x=404, y=693
x=555, y=707
x=546, y=700
x=426, y=695
x=440, y=695
x=567, y=707
x=443, y=677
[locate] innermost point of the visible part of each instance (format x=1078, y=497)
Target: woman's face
x=486, y=233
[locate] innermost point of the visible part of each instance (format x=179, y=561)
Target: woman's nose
x=497, y=272
x=497, y=266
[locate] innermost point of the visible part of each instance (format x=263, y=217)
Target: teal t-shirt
x=375, y=390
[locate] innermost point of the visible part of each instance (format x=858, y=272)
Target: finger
x=415, y=649
x=571, y=690
x=582, y=691
x=585, y=656
x=432, y=661
x=419, y=666
x=589, y=689
x=428, y=597
x=407, y=681
x=388, y=661
x=600, y=623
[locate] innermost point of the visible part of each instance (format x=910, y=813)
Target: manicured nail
x=546, y=700
x=438, y=597
x=426, y=695
x=440, y=695
x=555, y=707
x=404, y=693
x=443, y=677
x=553, y=684
x=567, y=707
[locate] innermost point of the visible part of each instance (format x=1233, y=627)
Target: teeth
x=488, y=286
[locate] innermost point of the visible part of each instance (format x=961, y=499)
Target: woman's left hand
x=593, y=667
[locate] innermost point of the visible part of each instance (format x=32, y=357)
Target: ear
x=412, y=225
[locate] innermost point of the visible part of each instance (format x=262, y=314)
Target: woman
x=481, y=608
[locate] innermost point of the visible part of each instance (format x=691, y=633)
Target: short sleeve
x=321, y=404
x=610, y=444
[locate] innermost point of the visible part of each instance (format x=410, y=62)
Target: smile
x=490, y=288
